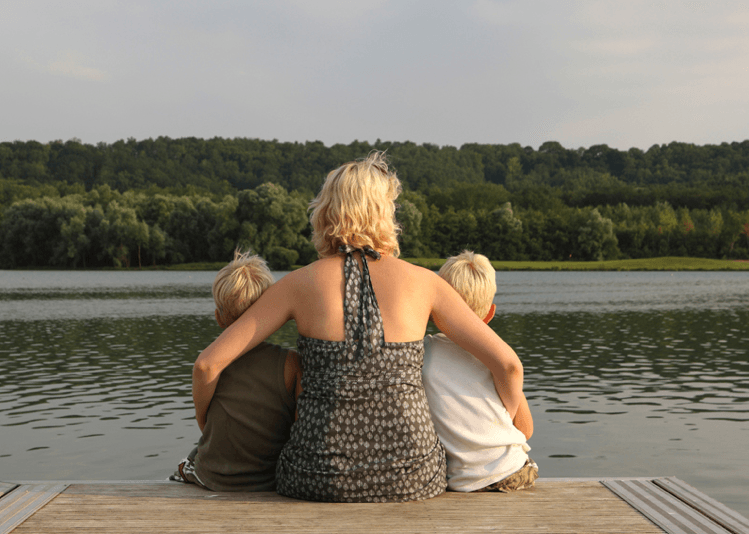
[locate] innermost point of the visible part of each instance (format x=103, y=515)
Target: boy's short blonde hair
x=238, y=285
x=356, y=207
x=473, y=277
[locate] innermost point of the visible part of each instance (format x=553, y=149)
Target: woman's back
x=364, y=433
x=403, y=296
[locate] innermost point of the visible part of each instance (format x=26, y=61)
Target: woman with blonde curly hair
x=364, y=432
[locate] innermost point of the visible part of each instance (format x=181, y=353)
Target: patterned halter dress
x=364, y=432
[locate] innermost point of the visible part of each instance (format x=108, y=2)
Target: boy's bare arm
x=523, y=420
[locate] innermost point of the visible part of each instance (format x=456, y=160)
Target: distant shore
x=645, y=264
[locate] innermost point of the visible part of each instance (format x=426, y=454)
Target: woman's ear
x=490, y=315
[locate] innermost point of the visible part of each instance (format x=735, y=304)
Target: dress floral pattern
x=364, y=432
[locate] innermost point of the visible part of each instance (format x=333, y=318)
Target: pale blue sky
x=446, y=72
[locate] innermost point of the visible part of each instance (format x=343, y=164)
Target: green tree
x=453, y=231
x=197, y=229
x=74, y=237
x=596, y=240
x=30, y=233
x=501, y=234
x=410, y=217
x=122, y=236
x=272, y=222
x=514, y=173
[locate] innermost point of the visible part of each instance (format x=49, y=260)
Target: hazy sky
x=625, y=73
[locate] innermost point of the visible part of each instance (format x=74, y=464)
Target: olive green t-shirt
x=248, y=423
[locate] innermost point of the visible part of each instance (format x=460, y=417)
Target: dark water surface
x=627, y=374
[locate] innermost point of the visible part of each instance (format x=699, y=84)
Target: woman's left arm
x=271, y=311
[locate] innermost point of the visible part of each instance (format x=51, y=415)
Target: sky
x=626, y=74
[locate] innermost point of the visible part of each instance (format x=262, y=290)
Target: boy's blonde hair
x=473, y=277
x=356, y=207
x=238, y=285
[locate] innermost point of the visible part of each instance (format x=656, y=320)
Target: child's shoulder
x=435, y=340
x=439, y=346
x=439, y=340
x=440, y=351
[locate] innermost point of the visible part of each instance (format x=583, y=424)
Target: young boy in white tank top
x=486, y=448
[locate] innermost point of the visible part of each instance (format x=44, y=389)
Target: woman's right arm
x=461, y=325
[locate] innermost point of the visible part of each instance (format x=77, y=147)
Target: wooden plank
x=666, y=511
x=558, y=507
x=729, y=519
x=23, y=501
x=589, y=479
x=5, y=487
x=99, y=482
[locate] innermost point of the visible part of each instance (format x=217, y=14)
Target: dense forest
x=166, y=201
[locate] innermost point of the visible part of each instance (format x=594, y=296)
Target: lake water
x=627, y=374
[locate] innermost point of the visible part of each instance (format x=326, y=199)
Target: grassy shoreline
x=646, y=264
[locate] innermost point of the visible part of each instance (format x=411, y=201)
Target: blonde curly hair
x=356, y=207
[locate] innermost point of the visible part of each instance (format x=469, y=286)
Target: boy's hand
x=523, y=420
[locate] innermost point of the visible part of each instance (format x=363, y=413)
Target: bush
x=281, y=259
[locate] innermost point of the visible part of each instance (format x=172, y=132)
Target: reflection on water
x=624, y=377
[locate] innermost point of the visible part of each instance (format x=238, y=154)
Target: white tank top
x=482, y=444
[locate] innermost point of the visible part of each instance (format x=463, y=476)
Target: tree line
x=167, y=201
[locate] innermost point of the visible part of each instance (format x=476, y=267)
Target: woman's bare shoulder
x=409, y=270
x=319, y=277
x=321, y=267
x=405, y=278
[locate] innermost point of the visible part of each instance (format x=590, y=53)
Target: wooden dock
x=633, y=505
